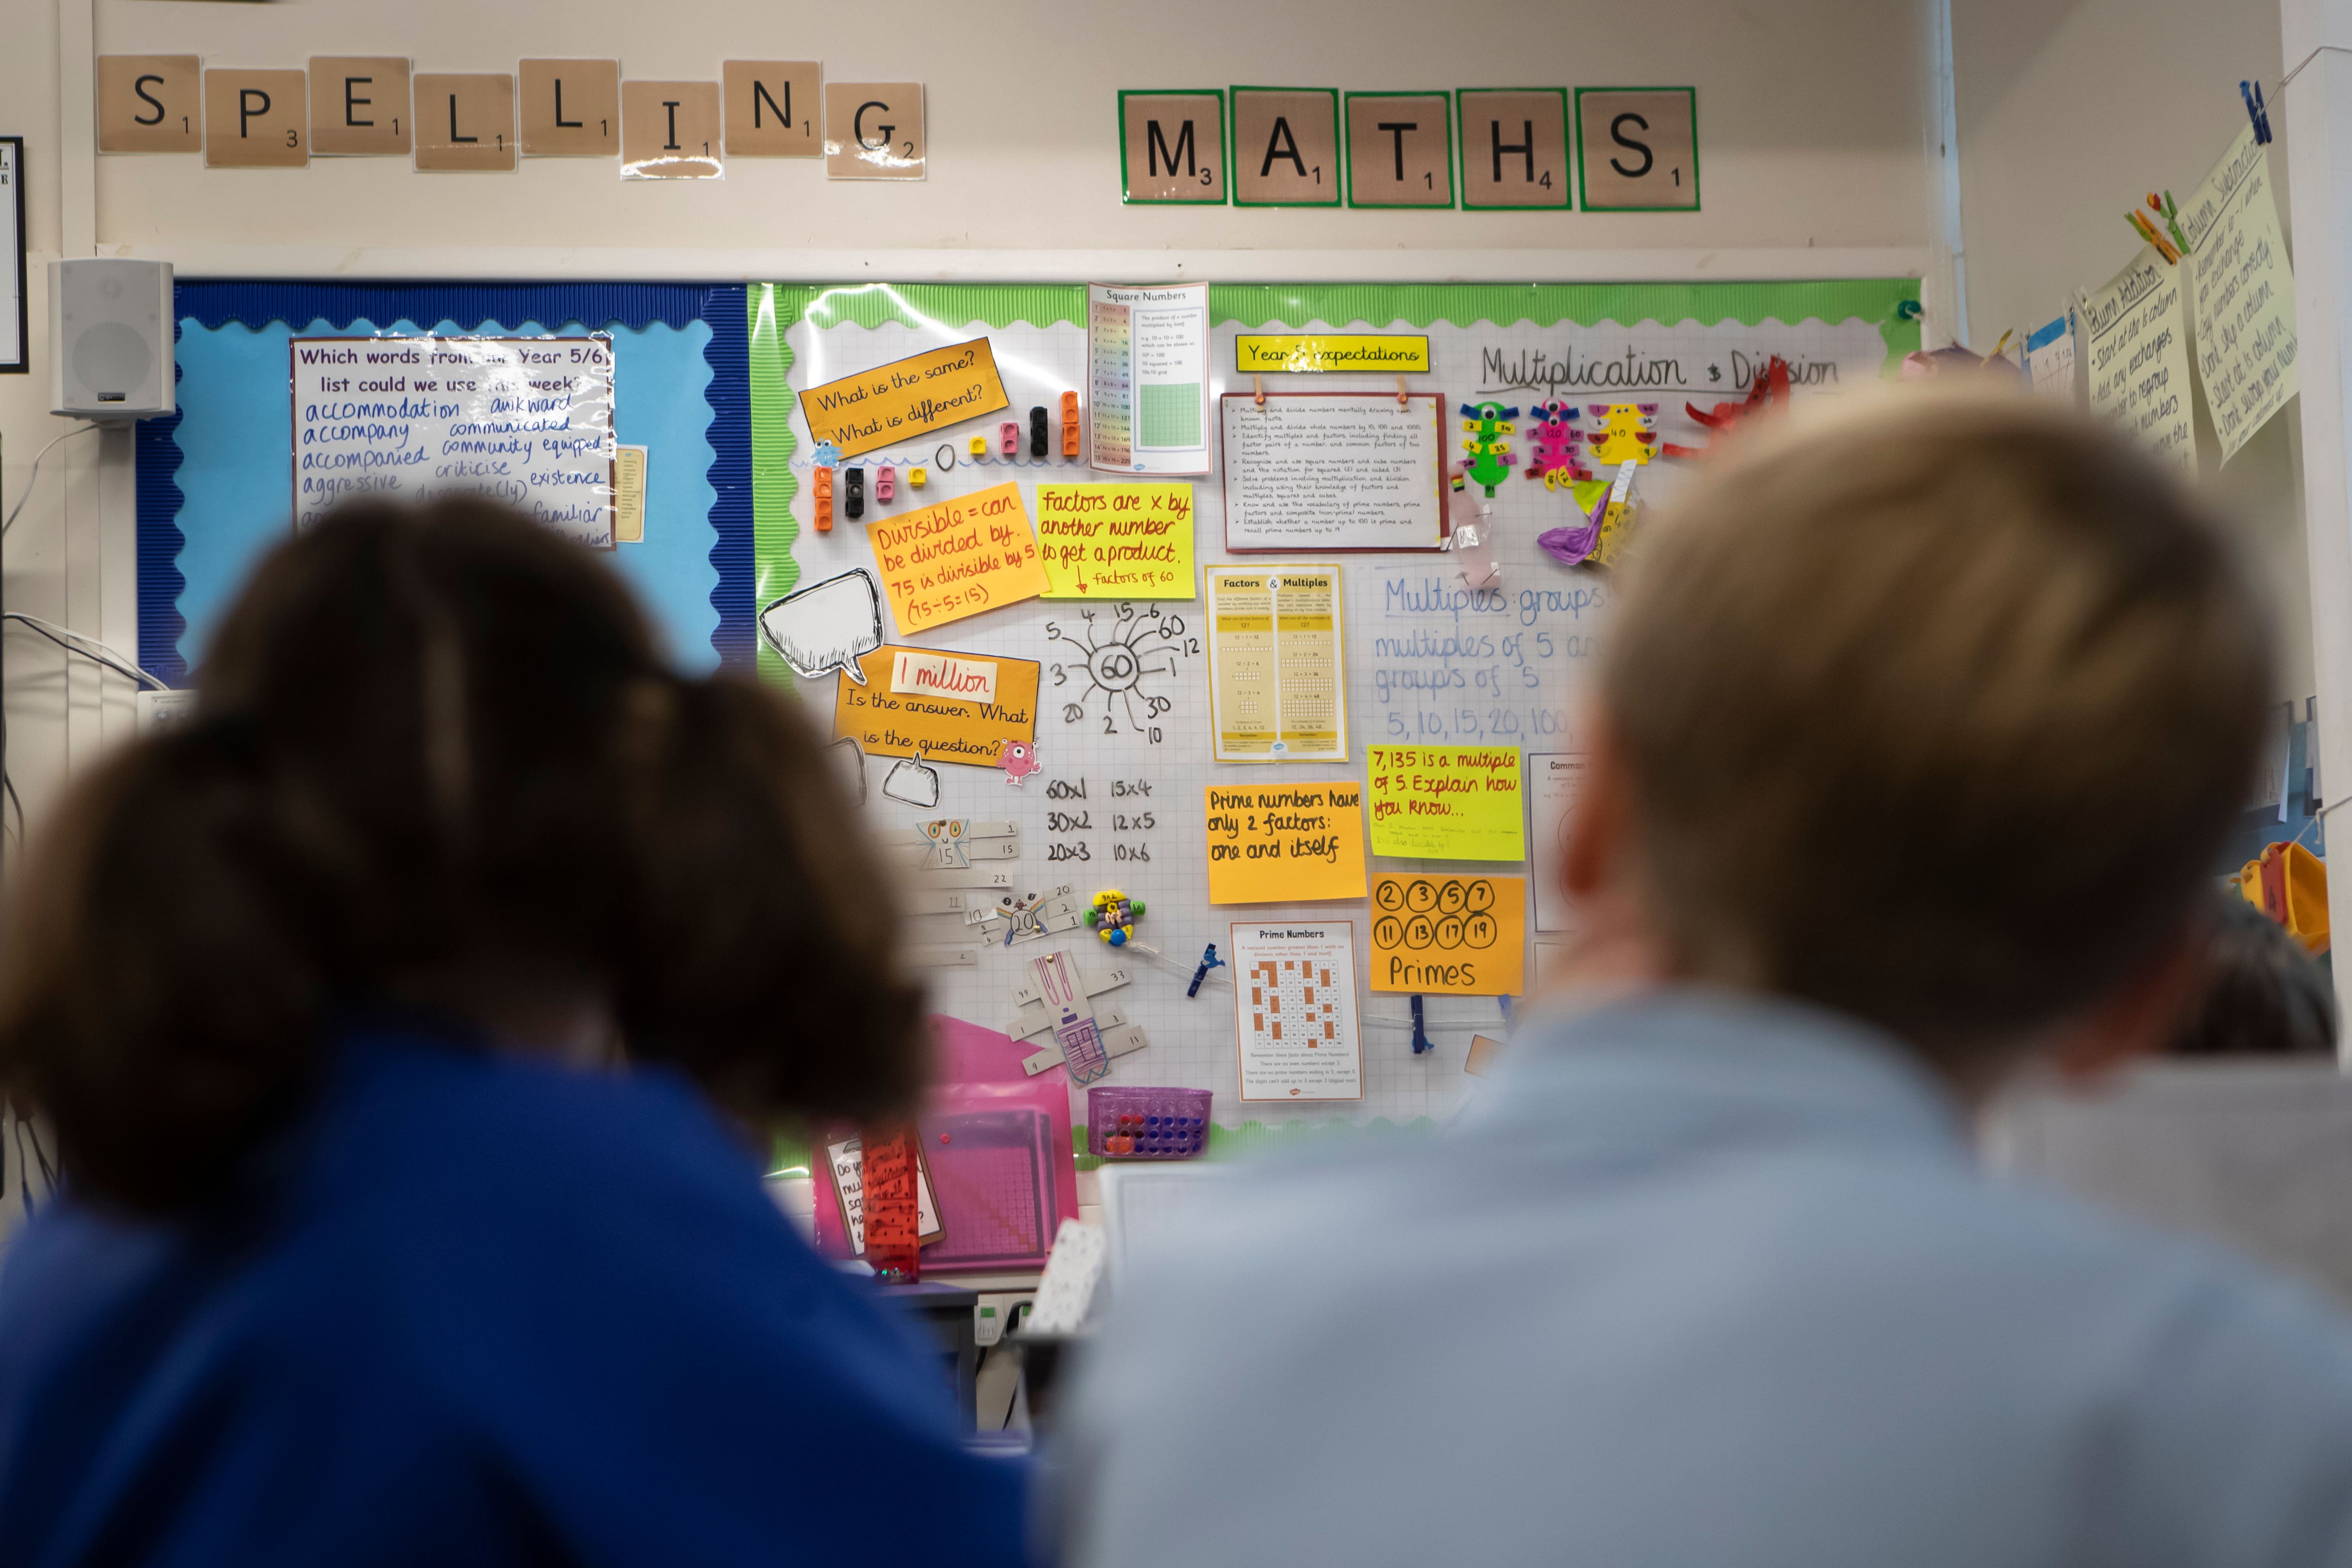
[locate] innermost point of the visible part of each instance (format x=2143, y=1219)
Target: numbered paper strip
x=526, y=421
x=1460, y=936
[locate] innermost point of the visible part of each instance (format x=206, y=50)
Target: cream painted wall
x=2070, y=112
x=1809, y=122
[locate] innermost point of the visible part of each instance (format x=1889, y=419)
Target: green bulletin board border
x=1890, y=303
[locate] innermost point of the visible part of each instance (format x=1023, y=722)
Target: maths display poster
x=1278, y=843
x=1275, y=664
x=2136, y=335
x=1452, y=936
x=1148, y=366
x=944, y=708
x=1446, y=803
x=1295, y=1010
x=906, y=398
x=1117, y=541
x=957, y=558
x=2246, y=344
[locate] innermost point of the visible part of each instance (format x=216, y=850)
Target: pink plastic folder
x=998, y=1146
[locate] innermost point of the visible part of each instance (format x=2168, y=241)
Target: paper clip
x=1208, y=959
x=1420, y=1032
x=2256, y=111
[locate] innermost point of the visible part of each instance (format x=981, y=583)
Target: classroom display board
x=1306, y=691
x=1058, y=666
x=294, y=394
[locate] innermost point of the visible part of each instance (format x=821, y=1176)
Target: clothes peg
x=856, y=506
x=2251, y=92
x=822, y=496
x=1208, y=959
x=2169, y=210
x=1420, y=1045
x=1037, y=431
x=886, y=483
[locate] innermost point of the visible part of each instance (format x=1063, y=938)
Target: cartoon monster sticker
x=1491, y=460
x=1627, y=431
x=1556, y=435
x=1019, y=759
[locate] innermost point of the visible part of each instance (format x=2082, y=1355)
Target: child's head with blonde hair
x=1933, y=710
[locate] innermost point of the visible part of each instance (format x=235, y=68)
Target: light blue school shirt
x=1707, y=1282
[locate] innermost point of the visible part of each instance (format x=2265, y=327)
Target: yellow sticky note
x=1446, y=803
x=957, y=558
x=1460, y=936
x=628, y=495
x=1117, y=541
x=1283, y=843
x=904, y=398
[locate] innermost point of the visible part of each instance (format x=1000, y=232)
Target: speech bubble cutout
x=826, y=626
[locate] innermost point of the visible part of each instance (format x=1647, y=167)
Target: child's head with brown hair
x=439, y=765
x=1934, y=711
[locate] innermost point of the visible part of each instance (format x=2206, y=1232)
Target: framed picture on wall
x=12, y=360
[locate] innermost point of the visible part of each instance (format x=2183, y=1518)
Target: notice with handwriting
x=948, y=707
x=2136, y=335
x=1280, y=843
x=2244, y=294
x=1117, y=541
x=905, y=398
x=1458, y=936
x=526, y=421
x=1447, y=803
x=957, y=558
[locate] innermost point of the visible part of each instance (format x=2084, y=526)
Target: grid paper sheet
x=1123, y=736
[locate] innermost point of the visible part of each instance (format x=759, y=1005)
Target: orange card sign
x=964, y=555
x=1461, y=936
x=945, y=728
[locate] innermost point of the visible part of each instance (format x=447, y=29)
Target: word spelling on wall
x=361, y=106
x=1476, y=149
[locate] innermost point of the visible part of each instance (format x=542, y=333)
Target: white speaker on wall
x=111, y=339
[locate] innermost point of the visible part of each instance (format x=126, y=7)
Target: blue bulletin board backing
x=214, y=480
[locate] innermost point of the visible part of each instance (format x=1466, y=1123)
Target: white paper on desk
x=2243, y=292
x=846, y=1158
x=1065, y=1292
x=1147, y=370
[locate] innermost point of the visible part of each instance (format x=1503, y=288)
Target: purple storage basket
x=1125, y=1123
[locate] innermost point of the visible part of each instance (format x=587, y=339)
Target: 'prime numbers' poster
x=1295, y=1005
